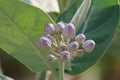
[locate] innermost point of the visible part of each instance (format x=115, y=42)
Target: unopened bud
x=51, y=58
x=80, y=38
x=73, y=46
x=44, y=43
x=80, y=52
x=65, y=56
x=69, y=31
x=63, y=47
x=51, y=38
x=88, y=45
x=60, y=26
x=50, y=29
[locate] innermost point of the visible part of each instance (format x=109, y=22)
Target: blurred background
x=108, y=68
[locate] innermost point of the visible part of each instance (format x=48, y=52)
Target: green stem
x=68, y=4
x=61, y=70
x=67, y=41
x=60, y=5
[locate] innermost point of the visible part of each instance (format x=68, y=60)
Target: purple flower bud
x=80, y=38
x=80, y=52
x=69, y=31
x=73, y=46
x=88, y=45
x=50, y=29
x=65, y=56
x=60, y=27
x=51, y=38
x=51, y=58
x=63, y=47
x=44, y=43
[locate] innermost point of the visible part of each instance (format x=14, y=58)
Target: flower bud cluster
x=57, y=40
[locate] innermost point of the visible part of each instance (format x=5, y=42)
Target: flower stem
x=60, y=5
x=67, y=41
x=61, y=70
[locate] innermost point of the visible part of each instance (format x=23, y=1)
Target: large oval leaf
x=99, y=25
x=21, y=26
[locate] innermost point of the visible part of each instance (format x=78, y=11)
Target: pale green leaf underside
x=21, y=26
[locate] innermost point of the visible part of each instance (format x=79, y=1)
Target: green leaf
x=21, y=26
x=68, y=14
x=101, y=28
x=100, y=25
